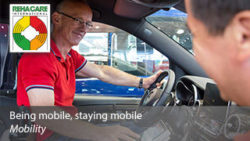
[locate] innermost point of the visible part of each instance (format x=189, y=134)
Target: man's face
x=216, y=55
x=72, y=31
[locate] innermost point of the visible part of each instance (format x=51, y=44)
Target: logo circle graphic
x=24, y=23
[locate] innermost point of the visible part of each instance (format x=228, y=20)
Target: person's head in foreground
x=221, y=40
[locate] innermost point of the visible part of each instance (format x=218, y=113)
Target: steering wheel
x=154, y=96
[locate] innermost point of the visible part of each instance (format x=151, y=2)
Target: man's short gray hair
x=217, y=14
x=60, y=6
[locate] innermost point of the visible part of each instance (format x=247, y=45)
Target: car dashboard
x=195, y=111
x=197, y=91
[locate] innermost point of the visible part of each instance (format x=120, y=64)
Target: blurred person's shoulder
x=243, y=137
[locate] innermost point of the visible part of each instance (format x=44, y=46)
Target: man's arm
x=41, y=97
x=114, y=76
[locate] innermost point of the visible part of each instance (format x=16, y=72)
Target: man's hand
x=148, y=81
x=115, y=133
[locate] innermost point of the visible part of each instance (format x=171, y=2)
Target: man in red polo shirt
x=48, y=79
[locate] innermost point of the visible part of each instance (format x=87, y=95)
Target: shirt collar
x=54, y=49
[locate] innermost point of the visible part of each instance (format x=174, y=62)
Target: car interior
x=128, y=15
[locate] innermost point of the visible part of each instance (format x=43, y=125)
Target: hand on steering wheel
x=154, y=96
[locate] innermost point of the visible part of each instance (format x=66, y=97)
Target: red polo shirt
x=49, y=71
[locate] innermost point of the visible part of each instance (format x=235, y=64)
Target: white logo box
x=27, y=28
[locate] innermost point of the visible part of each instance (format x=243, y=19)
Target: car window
x=107, y=45
x=173, y=24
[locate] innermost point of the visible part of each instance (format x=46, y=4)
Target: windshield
x=173, y=24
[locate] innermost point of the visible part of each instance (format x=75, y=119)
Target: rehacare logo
x=29, y=28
